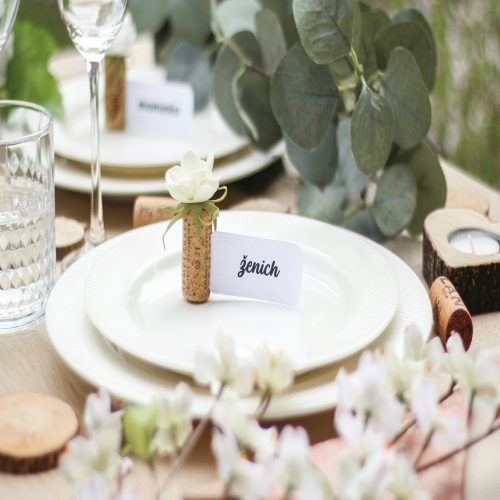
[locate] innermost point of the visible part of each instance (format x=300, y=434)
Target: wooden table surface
x=29, y=363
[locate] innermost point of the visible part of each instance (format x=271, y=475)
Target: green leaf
x=364, y=223
x=341, y=69
x=325, y=27
x=414, y=39
x=316, y=165
x=348, y=174
x=408, y=14
x=150, y=18
x=372, y=21
x=322, y=204
x=271, y=39
x=139, y=425
x=431, y=183
x=395, y=200
x=28, y=76
x=372, y=131
x=284, y=12
x=226, y=67
x=406, y=92
x=190, y=64
x=190, y=19
x=248, y=46
x=251, y=92
x=234, y=16
x=303, y=98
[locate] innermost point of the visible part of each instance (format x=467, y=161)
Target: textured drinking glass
x=27, y=240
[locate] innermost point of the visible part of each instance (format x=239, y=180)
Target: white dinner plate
x=121, y=149
x=87, y=353
x=73, y=178
x=349, y=295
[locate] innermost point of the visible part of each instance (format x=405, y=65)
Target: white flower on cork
x=126, y=37
x=193, y=180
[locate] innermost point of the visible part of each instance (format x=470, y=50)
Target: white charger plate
x=121, y=149
x=73, y=178
x=349, y=295
x=86, y=352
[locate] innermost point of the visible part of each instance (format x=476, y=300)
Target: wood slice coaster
x=476, y=277
x=460, y=198
x=34, y=429
x=70, y=236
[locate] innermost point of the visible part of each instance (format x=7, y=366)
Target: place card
x=256, y=268
x=164, y=109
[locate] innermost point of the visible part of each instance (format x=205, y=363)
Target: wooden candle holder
x=476, y=277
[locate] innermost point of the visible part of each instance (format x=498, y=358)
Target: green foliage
x=139, y=424
x=271, y=39
x=300, y=86
x=323, y=204
x=150, y=18
x=28, y=76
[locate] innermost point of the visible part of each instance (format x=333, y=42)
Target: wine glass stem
x=96, y=234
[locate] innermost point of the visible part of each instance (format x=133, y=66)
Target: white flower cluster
x=122, y=44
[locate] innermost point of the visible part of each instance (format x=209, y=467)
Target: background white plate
x=122, y=149
x=85, y=351
x=72, y=178
x=349, y=295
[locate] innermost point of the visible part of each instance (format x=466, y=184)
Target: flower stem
x=454, y=452
x=354, y=210
x=424, y=447
x=190, y=443
x=263, y=406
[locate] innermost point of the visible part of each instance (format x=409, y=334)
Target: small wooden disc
x=70, y=236
x=460, y=198
x=34, y=429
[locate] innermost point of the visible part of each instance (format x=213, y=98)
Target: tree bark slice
x=196, y=260
x=34, y=430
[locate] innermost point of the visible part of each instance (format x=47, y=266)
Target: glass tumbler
x=27, y=212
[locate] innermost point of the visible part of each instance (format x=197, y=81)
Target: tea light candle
x=475, y=242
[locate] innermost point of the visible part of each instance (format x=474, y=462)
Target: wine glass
x=92, y=26
x=8, y=12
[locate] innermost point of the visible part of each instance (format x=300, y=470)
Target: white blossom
x=97, y=413
x=225, y=366
x=193, y=181
x=174, y=419
x=274, y=370
x=242, y=478
x=292, y=468
x=402, y=480
x=367, y=391
x=126, y=37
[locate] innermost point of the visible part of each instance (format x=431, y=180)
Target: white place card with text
x=256, y=268
x=164, y=109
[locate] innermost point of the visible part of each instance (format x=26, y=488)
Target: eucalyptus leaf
x=395, y=200
x=325, y=27
x=413, y=38
x=251, y=92
x=323, y=204
x=341, y=69
x=191, y=64
x=226, y=67
x=300, y=87
x=234, y=16
x=316, y=165
x=248, y=46
x=190, y=19
x=139, y=425
x=406, y=92
x=408, y=14
x=431, y=183
x=372, y=21
x=348, y=174
x=364, y=223
x=271, y=39
x=372, y=131
x=151, y=18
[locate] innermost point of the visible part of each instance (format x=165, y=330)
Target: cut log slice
x=34, y=429
x=70, y=236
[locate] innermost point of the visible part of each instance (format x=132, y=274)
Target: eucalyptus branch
x=348, y=214
x=190, y=443
x=358, y=68
x=454, y=452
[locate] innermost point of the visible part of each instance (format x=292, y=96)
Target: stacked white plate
x=118, y=319
x=133, y=164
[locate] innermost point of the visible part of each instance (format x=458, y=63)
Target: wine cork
x=149, y=209
x=196, y=260
x=450, y=313
x=34, y=430
x=115, y=71
x=70, y=236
